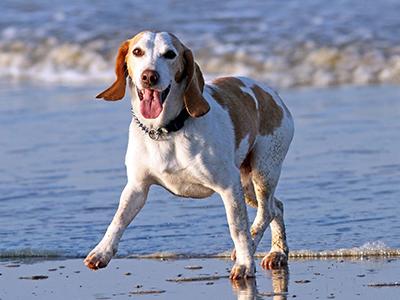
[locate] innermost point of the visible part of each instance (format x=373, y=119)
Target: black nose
x=150, y=78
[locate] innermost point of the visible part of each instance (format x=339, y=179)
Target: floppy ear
x=117, y=90
x=193, y=98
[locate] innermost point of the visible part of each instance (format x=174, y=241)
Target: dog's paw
x=240, y=271
x=98, y=259
x=274, y=260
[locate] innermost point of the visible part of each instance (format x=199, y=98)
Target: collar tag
x=155, y=134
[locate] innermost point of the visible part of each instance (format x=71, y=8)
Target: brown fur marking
x=132, y=42
x=180, y=73
x=193, y=98
x=196, y=105
x=245, y=177
x=117, y=90
x=246, y=164
x=240, y=106
x=270, y=113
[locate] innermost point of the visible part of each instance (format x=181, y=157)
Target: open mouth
x=151, y=101
x=164, y=93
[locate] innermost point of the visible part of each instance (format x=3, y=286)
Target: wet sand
x=199, y=279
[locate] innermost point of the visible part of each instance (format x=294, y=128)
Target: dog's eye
x=169, y=54
x=138, y=52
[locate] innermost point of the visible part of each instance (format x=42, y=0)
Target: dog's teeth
x=140, y=94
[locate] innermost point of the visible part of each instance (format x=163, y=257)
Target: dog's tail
x=251, y=201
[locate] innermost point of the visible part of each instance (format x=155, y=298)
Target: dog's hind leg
x=269, y=212
x=266, y=163
x=279, y=252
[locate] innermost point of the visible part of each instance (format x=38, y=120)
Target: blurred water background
x=62, y=154
x=290, y=43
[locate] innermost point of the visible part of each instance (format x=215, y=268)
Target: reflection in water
x=246, y=289
x=280, y=280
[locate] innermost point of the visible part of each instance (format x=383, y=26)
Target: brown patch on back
x=270, y=113
x=240, y=105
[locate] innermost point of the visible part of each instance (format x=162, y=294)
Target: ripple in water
x=339, y=182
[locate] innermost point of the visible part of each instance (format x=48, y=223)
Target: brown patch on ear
x=193, y=98
x=240, y=106
x=270, y=113
x=117, y=90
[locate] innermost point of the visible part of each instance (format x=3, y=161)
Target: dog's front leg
x=235, y=207
x=131, y=202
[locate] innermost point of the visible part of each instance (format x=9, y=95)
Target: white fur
x=196, y=161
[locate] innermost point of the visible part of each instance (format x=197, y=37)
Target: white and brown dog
x=229, y=136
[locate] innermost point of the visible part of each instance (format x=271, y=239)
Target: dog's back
x=257, y=113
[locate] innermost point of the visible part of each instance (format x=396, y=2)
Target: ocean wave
x=370, y=249
x=30, y=253
x=305, y=64
x=51, y=61
x=273, y=41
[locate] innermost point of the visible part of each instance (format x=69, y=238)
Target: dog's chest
x=165, y=158
x=174, y=167
x=183, y=184
x=180, y=176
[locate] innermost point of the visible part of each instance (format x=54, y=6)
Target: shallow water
x=316, y=279
x=62, y=170
x=287, y=43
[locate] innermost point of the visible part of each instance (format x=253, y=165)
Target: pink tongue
x=150, y=106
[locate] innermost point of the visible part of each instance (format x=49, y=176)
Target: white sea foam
x=307, y=65
x=370, y=249
x=53, y=62
x=30, y=253
x=335, y=46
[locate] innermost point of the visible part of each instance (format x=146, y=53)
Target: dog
x=229, y=136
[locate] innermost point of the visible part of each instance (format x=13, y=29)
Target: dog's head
x=162, y=71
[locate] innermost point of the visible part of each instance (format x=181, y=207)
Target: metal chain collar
x=154, y=134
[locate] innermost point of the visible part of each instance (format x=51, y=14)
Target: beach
x=205, y=278
x=62, y=152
